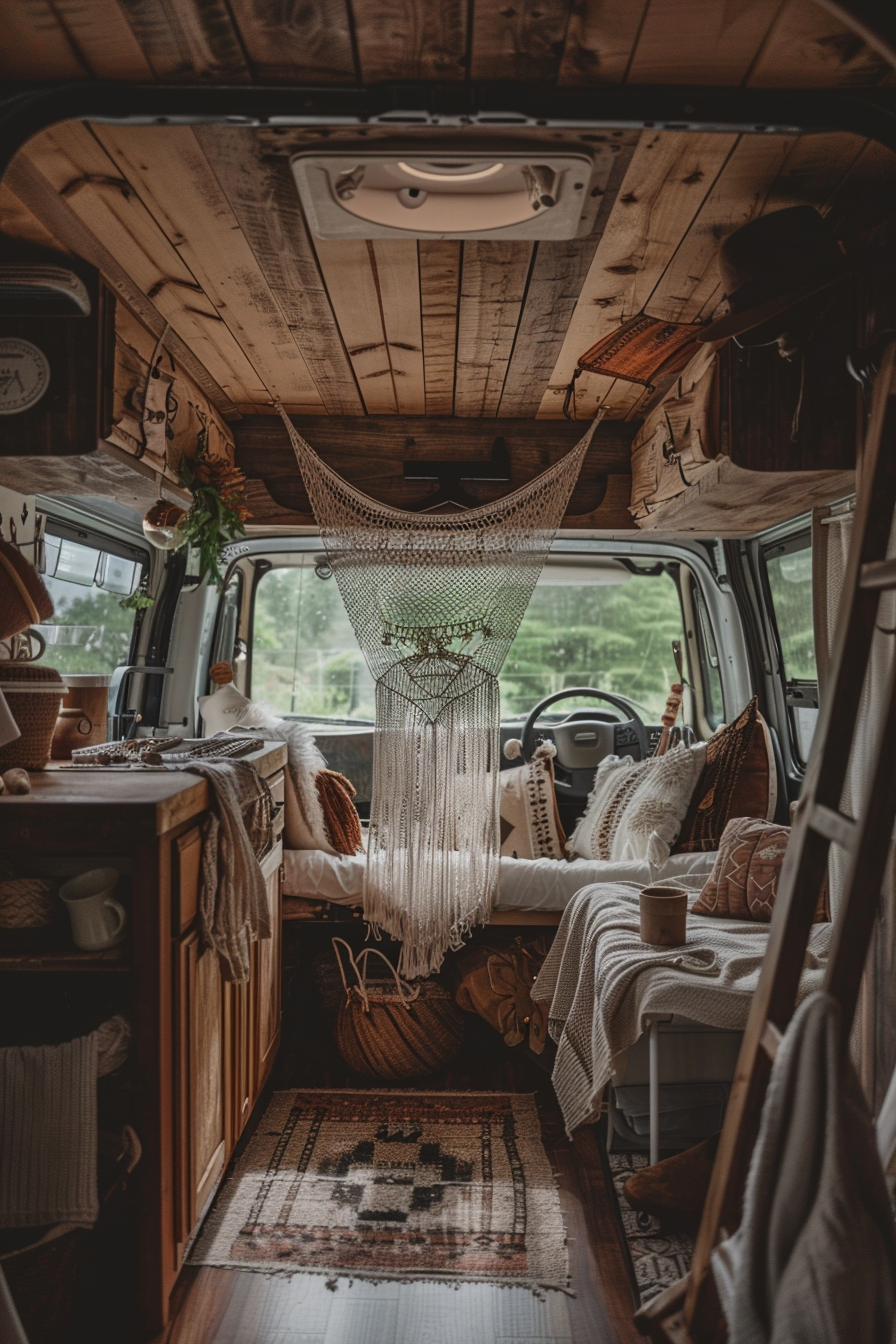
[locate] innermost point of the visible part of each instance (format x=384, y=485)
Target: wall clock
x=24, y=375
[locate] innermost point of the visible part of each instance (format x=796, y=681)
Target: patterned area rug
x=659, y=1258
x=393, y=1185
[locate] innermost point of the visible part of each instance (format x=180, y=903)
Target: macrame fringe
x=435, y=601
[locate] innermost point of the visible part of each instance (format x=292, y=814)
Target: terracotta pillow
x=530, y=823
x=743, y=883
x=738, y=780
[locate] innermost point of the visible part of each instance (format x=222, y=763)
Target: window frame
x=797, y=692
x=89, y=533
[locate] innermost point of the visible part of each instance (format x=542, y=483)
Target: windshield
x=590, y=623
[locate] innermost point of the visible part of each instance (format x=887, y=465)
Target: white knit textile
x=435, y=601
x=600, y=981
x=636, y=808
x=48, y=1132
x=814, y=1259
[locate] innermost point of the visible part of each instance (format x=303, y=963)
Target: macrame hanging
x=435, y=601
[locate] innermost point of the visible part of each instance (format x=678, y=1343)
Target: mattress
x=524, y=884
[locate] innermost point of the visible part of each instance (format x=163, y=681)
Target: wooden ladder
x=689, y=1311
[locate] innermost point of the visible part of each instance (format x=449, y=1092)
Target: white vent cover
x=446, y=195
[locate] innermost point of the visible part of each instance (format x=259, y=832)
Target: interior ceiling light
x=363, y=194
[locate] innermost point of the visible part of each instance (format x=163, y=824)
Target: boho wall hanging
x=435, y=601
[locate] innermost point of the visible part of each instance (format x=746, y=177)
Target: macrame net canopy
x=435, y=601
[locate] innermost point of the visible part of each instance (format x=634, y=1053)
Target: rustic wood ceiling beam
x=371, y=452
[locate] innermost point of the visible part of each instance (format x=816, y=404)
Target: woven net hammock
x=435, y=601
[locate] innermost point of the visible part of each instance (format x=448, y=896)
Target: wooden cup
x=664, y=916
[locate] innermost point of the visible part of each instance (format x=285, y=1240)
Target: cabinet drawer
x=186, y=862
x=277, y=785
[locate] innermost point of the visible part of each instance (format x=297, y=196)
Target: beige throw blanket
x=814, y=1259
x=48, y=1135
x=601, y=980
x=233, y=904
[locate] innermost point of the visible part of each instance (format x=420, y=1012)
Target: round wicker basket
x=386, y=1028
x=34, y=695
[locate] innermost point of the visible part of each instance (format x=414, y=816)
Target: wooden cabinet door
x=267, y=977
x=238, y=1078
x=200, y=1119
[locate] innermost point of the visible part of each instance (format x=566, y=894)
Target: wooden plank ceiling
x=201, y=233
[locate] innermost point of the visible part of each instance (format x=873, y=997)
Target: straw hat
x=771, y=265
x=24, y=600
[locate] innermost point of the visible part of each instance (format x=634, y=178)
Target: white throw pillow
x=223, y=708
x=636, y=808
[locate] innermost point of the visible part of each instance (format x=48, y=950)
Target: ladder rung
x=833, y=825
x=770, y=1039
x=879, y=574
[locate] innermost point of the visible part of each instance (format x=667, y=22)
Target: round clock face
x=24, y=375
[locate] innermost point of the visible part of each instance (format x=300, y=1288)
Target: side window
x=95, y=585
x=788, y=567
x=305, y=658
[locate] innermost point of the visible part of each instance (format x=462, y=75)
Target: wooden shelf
x=112, y=959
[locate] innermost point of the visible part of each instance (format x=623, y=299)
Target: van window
x=90, y=630
x=789, y=570
x=591, y=622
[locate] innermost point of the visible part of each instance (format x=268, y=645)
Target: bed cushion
x=530, y=823
x=743, y=883
x=739, y=779
x=523, y=884
x=636, y=808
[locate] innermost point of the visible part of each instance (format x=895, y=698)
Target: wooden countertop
x=112, y=803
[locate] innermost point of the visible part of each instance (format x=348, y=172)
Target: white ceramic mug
x=97, y=920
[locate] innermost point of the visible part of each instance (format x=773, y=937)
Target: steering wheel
x=582, y=743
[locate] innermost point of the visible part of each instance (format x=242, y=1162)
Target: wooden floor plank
x=223, y=1306
x=700, y=41
x=293, y=44
x=600, y=38
x=439, y=297
x=172, y=177
x=261, y=192
x=493, y=283
x=411, y=39
x=524, y=41
x=670, y=176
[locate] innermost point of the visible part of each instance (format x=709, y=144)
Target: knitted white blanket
x=48, y=1135
x=601, y=980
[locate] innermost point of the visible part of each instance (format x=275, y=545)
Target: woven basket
x=34, y=695
x=387, y=1028
x=24, y=600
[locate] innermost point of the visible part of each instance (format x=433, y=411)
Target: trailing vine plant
x=217, y=514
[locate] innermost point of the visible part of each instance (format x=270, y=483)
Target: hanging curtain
x=435, y=601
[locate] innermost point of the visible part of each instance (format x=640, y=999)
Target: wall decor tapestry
x=394, y=1185
x=435, y=601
